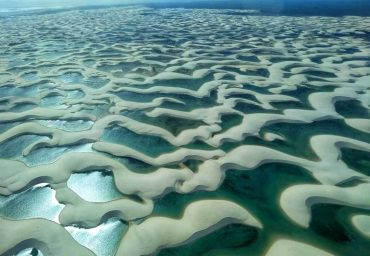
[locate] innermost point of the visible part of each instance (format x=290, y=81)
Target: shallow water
x=136, y=118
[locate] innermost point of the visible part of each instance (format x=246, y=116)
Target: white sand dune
x=294, y=248
x=200, y=218
x=45, y=235
x=296, y=201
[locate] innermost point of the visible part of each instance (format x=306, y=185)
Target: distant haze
x=273, y=6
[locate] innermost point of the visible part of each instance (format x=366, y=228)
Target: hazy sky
x=34, y=3
x=273, y=5
x=29, y=3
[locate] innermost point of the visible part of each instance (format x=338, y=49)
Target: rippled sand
x=135, y=131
